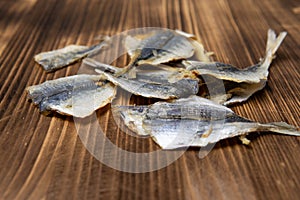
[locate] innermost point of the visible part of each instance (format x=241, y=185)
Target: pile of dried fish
x=168, y=65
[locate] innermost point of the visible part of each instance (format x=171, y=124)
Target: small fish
x=158, y=47
x=155, y=84
x=155, y=48
x=193, y=121
x=78, y=95
x=245, y=81
x=56, y=59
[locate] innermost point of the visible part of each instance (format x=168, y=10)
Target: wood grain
x=43, y=157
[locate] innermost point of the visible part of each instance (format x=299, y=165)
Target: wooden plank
x=43, y=157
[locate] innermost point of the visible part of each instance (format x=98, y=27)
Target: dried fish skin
x=241, y=92
x=179, y=123
x=162, y=90
x=78, y=95
x=234, y=92
x=56, y=59
x=231, y=92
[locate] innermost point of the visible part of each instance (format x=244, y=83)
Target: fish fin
x=132, y=44
x=282, y=127
x=273, y=44
x=200, y=53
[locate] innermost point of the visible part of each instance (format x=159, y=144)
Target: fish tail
x=281, y=127
x=273, y=44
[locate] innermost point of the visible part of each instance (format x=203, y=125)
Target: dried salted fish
x=243, y=82
x=163, y=90
x=192, y=121
x=155, y=83
x=155, y=48
x=252, y=74
x=152, y=81
x=56, y=59
x=78, y=95
x=158, y=47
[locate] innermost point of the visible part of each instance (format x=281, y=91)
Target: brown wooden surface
x=43, y=158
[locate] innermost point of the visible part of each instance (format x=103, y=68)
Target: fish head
x=132, y=116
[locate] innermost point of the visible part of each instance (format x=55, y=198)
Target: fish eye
x=140, y=109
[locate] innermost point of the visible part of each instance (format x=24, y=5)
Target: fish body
x=248, y=80
x=192, y=121
x=158, y=47
x=56, y=59
x=78, y=95
x=159, y=88
x=151, y=81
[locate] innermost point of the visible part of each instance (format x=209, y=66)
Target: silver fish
x=153, y=81
x=155, y=85
x=193, y=121
x=247, y=81
x=56, y=59
x=78, y=95
x=155, y=48
x=158, y=47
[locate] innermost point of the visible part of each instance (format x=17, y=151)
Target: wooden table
x=43, y=158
